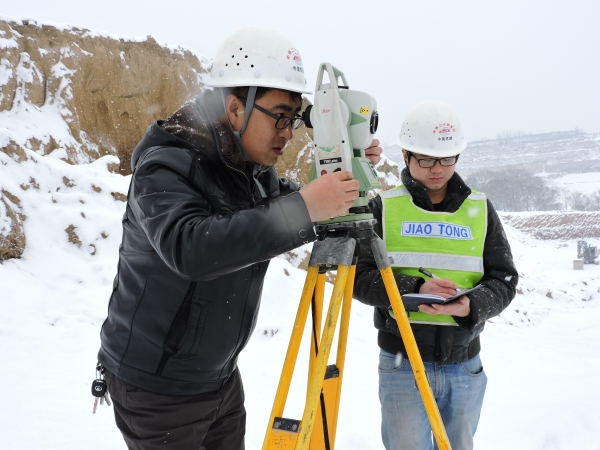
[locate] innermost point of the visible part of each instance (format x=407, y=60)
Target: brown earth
x=109, y=91
x=560, y=225
x=112, y=89
x=115, y=90
x=12, y=240
x=297, y=158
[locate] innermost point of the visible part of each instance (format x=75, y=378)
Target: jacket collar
x=456, y=193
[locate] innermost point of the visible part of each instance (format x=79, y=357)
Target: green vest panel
x=448, y=244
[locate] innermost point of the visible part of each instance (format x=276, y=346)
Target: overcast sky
x=510, y=65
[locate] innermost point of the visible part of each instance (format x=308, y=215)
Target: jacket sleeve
x=198, y=243
x=368, y=284
x=500, y=276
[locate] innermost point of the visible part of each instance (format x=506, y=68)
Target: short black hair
x=241, y=92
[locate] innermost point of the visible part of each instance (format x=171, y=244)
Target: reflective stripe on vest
x=448, y=244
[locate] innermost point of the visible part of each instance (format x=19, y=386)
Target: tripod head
x=361, y=231
x=344, y=123
x=355, y=229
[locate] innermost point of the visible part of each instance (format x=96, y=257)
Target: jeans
x=457, y=388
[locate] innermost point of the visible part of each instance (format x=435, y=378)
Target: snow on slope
x=541, y=354
x=569, y=159
x=586, y=183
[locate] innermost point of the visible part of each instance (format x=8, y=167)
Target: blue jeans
x=458, y=390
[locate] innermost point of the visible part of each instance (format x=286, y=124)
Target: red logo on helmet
x=294, y=55
x=444, y=129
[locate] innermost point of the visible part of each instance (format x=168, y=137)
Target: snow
x=387, y=176
x=586, y=183
x=541, y=354
x=9, y=43
x=25, y=120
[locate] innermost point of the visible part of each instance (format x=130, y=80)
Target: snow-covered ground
x=541, y=355
x=586, y=183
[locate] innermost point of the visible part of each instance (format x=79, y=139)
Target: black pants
x=210, y=421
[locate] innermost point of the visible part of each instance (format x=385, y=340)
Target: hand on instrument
x=330, y=195
x=373, y=152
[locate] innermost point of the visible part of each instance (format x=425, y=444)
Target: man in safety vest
x=435, y=221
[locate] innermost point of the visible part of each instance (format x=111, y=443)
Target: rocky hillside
x=76, y=96
x=74, y=103
x=558, y=153
x=72, y=97
x=556, y=225
x=86, y=95
x=562, y=152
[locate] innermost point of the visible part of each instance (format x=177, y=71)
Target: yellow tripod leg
x=283, y=439
x=341, y=350
x=317, y=439
x=439, y=432
x=318, y=375
x=317, y=317
x=332, y=384
x=285, y=433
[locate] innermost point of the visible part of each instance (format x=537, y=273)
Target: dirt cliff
x=81, y=95
x=12, y=235
x=556, y=225
x=107, y=90
x=76, y=95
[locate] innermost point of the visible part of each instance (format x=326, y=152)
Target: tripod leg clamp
x=333, y=252
x=380, y=253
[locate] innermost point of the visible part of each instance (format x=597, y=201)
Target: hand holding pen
x=429, y=274
x=444, y=288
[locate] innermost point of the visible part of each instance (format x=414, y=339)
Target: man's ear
x=405, y=156
x=235, y=110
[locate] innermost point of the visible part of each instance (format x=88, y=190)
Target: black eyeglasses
x=282, y=121
x=428, y=163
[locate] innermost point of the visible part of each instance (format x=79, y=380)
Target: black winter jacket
x=441, y=343
x=197, y=240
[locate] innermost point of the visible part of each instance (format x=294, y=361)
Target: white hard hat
x=432, y=128
x=258, y=56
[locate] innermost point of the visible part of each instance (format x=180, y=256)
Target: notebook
x=412, y=301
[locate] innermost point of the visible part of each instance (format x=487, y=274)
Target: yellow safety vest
x=448, y=244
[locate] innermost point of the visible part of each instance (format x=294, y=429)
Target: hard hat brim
x=436, y=153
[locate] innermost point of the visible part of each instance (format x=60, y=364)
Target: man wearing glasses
x=436, y=222
x=205, y=213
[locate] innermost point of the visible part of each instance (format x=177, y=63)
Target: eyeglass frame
x=435, y=161
x=288, y=121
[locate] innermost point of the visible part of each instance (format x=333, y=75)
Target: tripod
x=335, y=250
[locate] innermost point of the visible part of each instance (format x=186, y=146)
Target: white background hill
x=570, y=160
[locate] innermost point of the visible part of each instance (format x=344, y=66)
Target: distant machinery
x=587, y=253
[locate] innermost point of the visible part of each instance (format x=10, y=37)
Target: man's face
x=433, y=178
x=263, y=142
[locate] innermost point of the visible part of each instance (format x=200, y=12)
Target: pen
x=427, y=273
